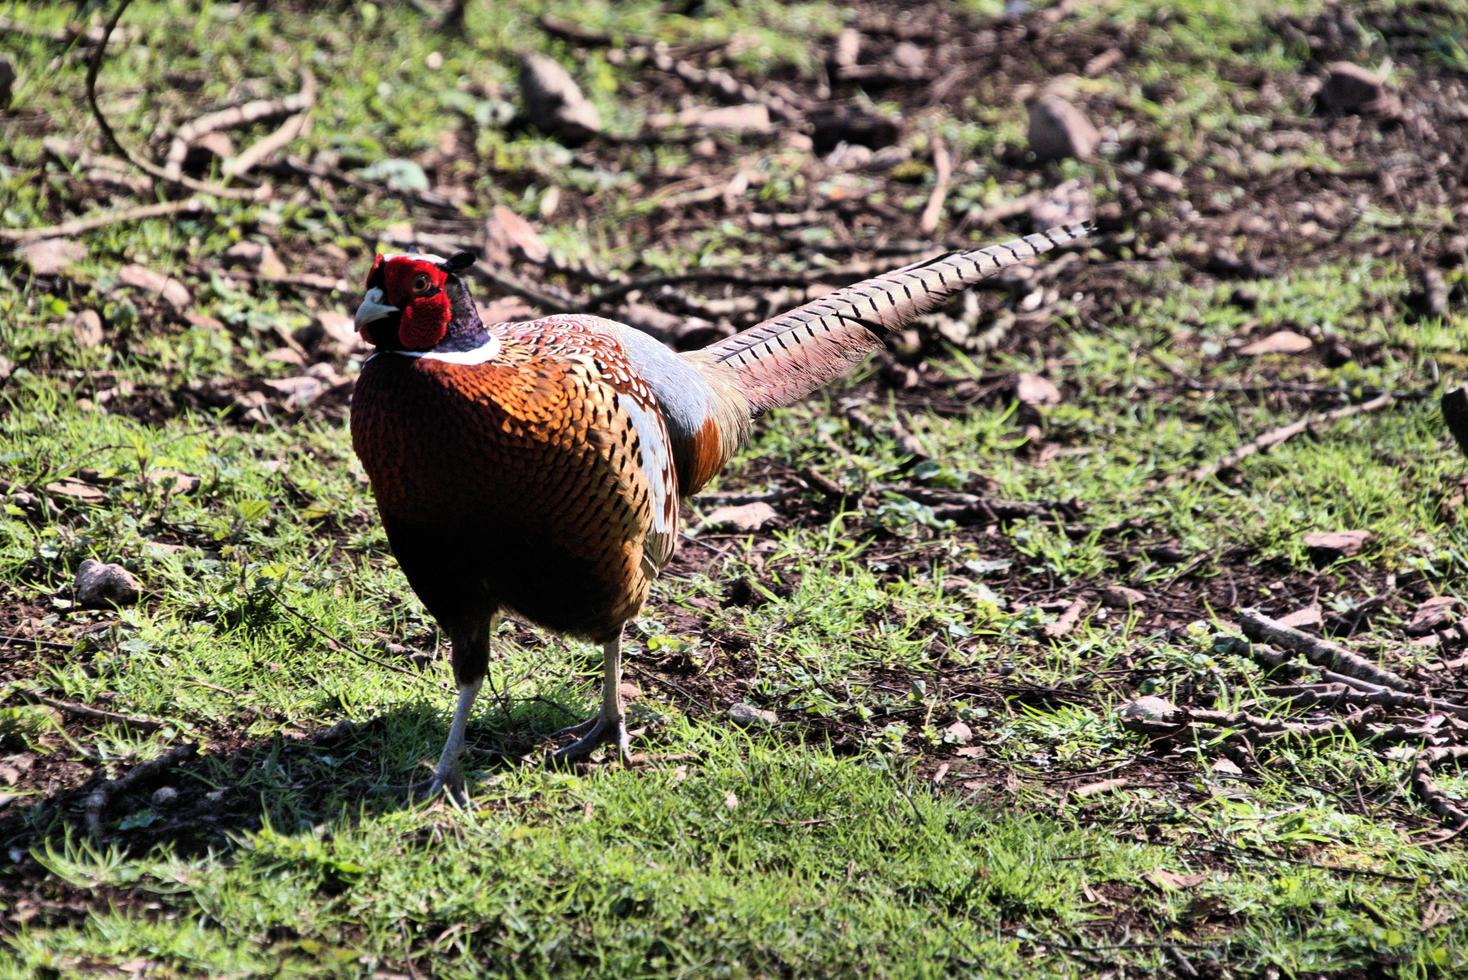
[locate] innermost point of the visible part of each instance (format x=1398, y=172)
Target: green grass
x=833, y=843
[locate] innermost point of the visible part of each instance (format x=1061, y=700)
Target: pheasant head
x=417, y=302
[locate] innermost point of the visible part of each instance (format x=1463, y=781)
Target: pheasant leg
x=447, y=775
x=610, y=724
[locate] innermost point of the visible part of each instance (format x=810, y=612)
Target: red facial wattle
x=425, y=321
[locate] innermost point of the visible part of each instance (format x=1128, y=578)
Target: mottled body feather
x=540, y=481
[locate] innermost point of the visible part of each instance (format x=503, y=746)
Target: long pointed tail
x=787, y=357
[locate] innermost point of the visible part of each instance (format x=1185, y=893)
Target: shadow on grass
x=339, y=775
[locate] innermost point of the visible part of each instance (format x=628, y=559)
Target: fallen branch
x=87, y=711
x=1438, y=801
x=1320, y=652
x=235, y=116
x=78, y=226
x=1274, y=437
x=100, y=797
x=1337, y=692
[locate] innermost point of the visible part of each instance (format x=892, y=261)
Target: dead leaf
x=1304, y=618
x=76, y=490
x=166, y=288
x=1170, y=881
x=958, y=734
x=740, y=517
x=1122, y=597
x=1031, y=389
x=1325, y=547
x=508, y=236
x=1432, y=615
x=52, y=256
x=86, y=327
x=1279, y=342
x=257, y=257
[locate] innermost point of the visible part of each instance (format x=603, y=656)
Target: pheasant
x=536, y=467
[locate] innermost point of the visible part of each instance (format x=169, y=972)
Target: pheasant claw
x=602, y=731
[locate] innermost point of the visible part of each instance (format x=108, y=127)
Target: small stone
x=1279, y=342
x=51, y=256
x=1245, y=298
x=86, y=327
x=740, y=517
x=909, y=58
x=1454, y=405
x=1436, y=613
x=1059, y=131
x=100, y=585
x=553, y=101
x=165, y=796
x=1352, y=88
x=748, y=716
x=1122, y=597
x=166, y=288
x=257, y=257
x=1325, y=547
x=1148, y=708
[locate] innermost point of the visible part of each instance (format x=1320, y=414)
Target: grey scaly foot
x=447, y=775
x=599, y=731
x=610, y=723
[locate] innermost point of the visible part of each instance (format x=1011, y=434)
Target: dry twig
x=87, y=711
x=1274, y=437
x=943, y=166
x=77, y=226
x=235, y=116
x=1320, y=652
x=98, y=799
x=1442, y=804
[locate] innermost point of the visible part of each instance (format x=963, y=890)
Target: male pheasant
x=536, y=467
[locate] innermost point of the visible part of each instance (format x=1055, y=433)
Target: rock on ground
x=100, y=585
x=553, y=101
x=1059, y=131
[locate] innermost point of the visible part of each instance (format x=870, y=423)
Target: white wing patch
x=657, y=467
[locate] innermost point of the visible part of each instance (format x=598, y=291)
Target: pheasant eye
x=422, y=284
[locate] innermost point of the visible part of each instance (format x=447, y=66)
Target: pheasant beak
x=372, y=310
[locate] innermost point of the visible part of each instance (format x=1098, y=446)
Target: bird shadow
x=210, y=801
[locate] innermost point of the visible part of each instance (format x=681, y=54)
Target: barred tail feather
x=787, y=357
